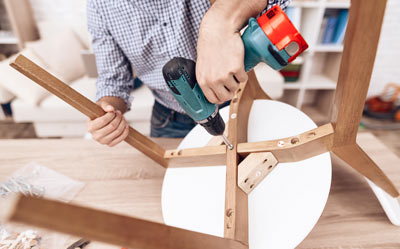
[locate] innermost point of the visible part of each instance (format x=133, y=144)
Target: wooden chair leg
x=355, y=157
x=107, y=227
x=256, y=90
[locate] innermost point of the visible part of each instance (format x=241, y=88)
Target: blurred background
x=54, y=35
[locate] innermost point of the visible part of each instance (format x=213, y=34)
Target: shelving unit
x=313, y=92
x=17, y=26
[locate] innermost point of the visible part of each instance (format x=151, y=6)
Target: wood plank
x=203, y=156
x=254, y=168
x=84, y=105
x=355, y=157
x=236, y=201
x=107, y=227
x=294, y=148
x=360, y=45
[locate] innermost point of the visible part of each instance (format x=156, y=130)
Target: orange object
x=281, y=31
x=379, y=104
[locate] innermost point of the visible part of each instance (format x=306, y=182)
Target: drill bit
x=226, y=141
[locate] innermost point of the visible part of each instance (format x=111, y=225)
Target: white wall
x=60, y=10
x=387, y=64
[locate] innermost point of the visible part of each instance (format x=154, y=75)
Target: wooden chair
x=338, y=137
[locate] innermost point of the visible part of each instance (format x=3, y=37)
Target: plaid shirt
x=144, y=34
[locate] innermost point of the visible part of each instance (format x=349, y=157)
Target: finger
x=222, y=93
x=210, y=95
x=107, y=107
x=100, y=122
x=120, y=138
x=114, y=134
x=241, y=75
x=232, y=85
x=112, y=126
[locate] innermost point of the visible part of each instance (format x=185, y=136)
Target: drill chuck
x=214, y=124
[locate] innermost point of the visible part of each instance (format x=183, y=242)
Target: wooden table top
x=119, y=179
x=122, y=180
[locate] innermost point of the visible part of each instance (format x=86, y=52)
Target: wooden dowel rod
x=85, y=106
x=107, y=227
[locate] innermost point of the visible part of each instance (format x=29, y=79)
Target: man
x=146, y=35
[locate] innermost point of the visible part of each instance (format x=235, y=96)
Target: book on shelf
x=333, y=26
x=341, y=25
x=291, y=73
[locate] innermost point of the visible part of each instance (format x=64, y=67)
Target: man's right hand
x=111, y=128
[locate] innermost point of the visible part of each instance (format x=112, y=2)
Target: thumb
x=107, y=107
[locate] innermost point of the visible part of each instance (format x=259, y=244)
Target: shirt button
x=165, y=24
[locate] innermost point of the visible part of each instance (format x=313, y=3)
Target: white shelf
x=319, y=82
x=305, y=4
x=292, y=85
x=328, y=48
x=321, y=61
x=8, y=40
x=337, y=4
x=7, y=37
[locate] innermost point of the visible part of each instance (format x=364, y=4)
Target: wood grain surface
x=84, y=105
x=353, y=218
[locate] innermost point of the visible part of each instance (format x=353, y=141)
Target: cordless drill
x=271, y=39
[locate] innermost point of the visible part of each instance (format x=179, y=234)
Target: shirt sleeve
x=282, y=3
x=114, y=69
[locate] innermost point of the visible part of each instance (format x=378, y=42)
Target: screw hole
x=294, y=140
x=270, y=167
x=234, y=100
x=252, y=185
x=239, y=90
x=265, y=160
x=311, y=134
x=229, y=212
x=179, y=152
x=172, y=153
x=246, y=180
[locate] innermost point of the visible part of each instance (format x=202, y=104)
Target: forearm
x=235, y=13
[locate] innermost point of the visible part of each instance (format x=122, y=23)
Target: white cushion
x=50, y=28
x=5, y=96
x=18, y=84
x=61, y=54
x=53, y=109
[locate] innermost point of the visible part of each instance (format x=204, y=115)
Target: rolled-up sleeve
x=115, y=72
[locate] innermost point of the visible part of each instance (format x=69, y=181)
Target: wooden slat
x=295, y=148
x=354, y=156
x=204, y=156
x=84, y=105
x=360, y=45
x=107, y=227
x=236, y=201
